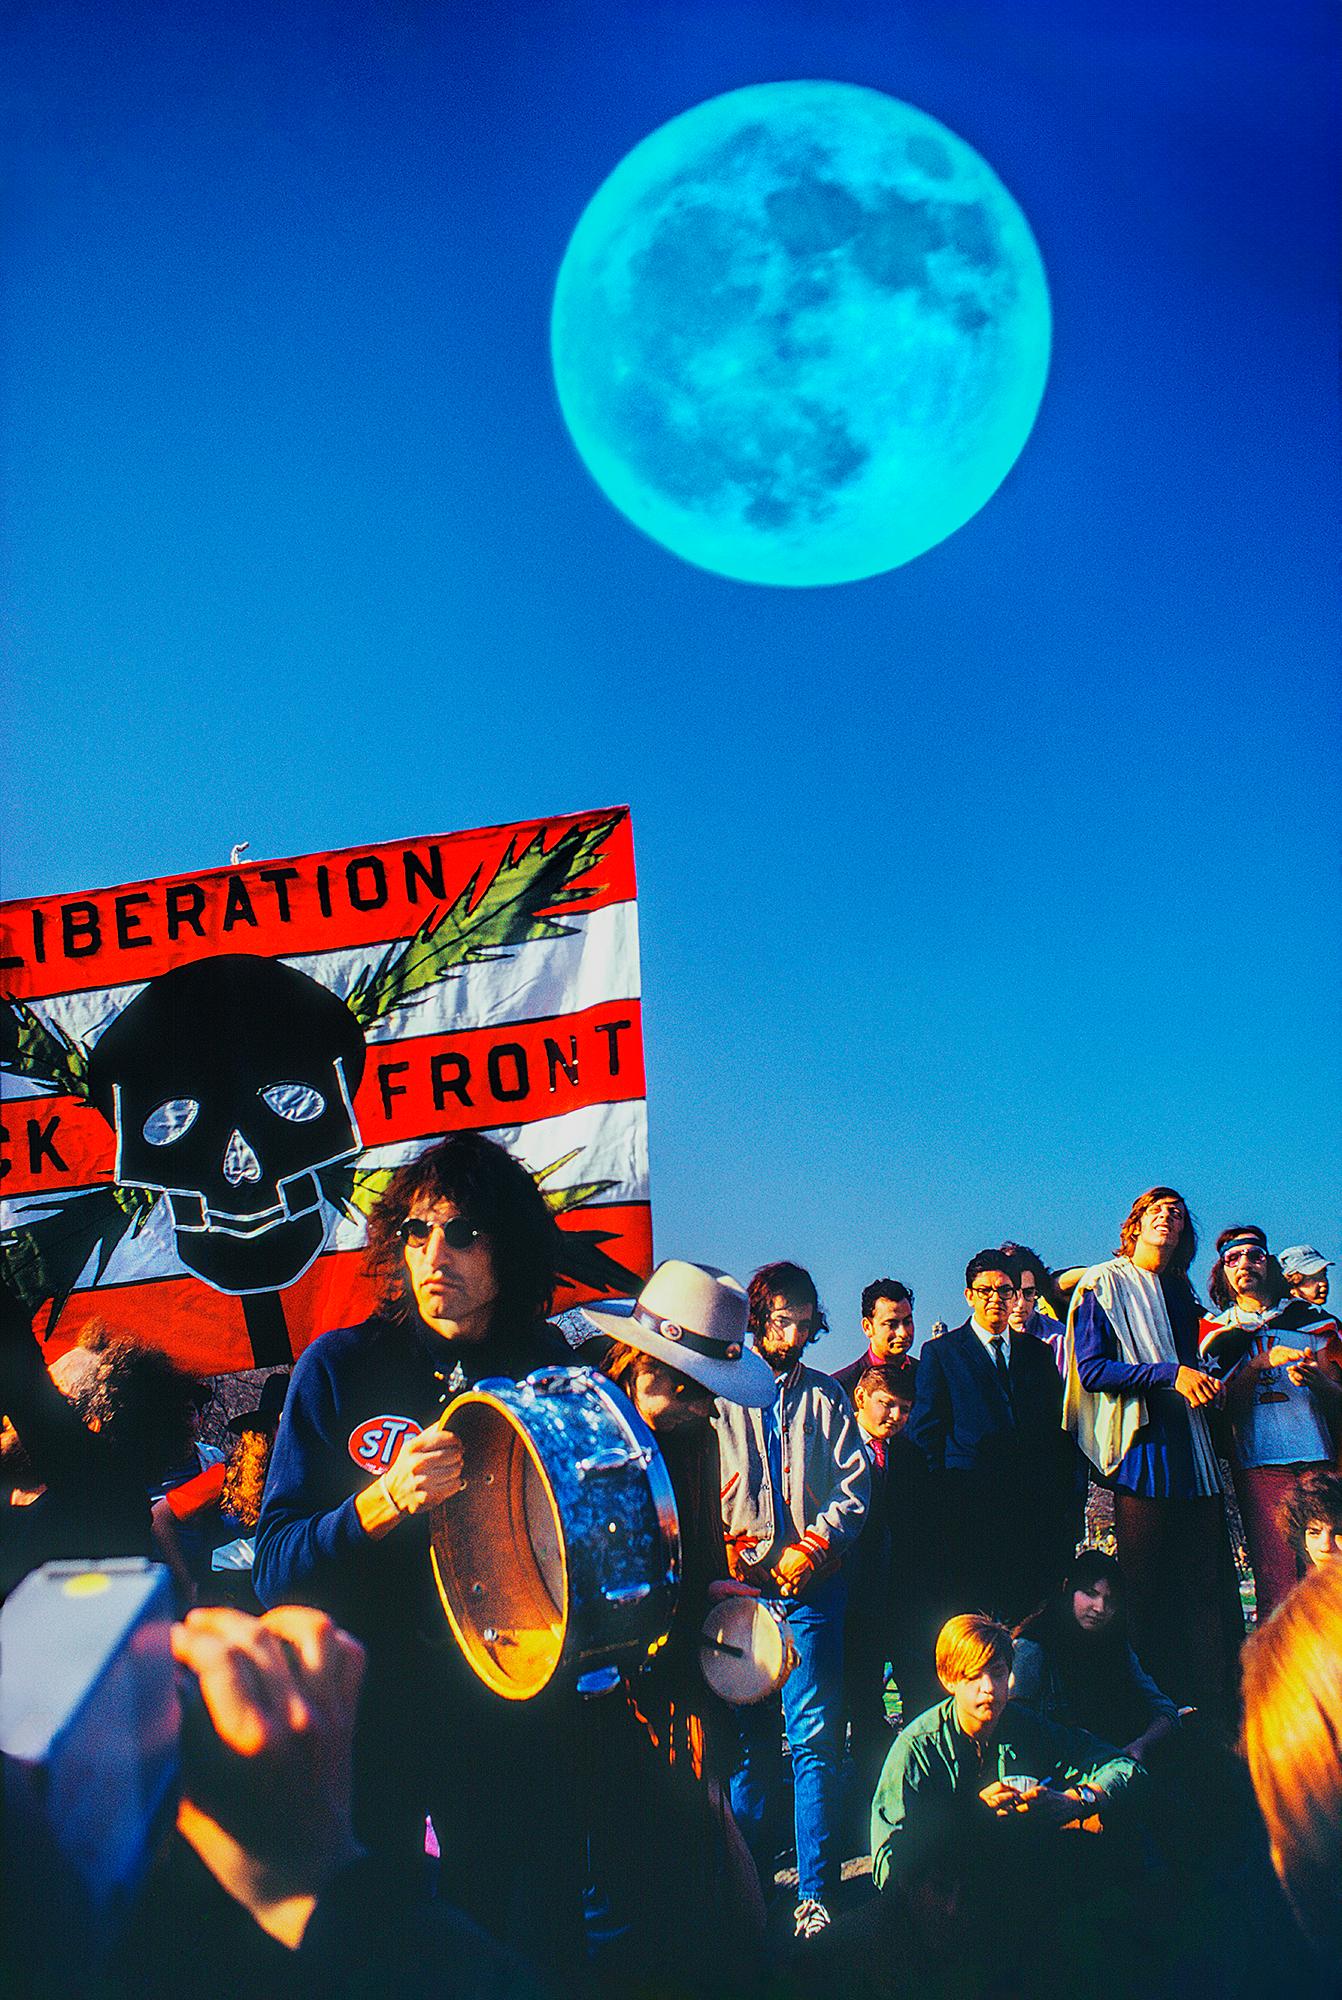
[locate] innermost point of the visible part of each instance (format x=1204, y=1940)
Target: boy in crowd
x=981, y=1775
x=1306, y=1270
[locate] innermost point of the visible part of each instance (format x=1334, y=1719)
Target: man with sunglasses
x=462, y=1251
x=1278, y=1357
x=987, y=1416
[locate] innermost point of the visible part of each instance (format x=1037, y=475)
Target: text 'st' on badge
x=374, y=1443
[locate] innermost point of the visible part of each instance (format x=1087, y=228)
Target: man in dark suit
x=987, y=1417
x=887, y=1326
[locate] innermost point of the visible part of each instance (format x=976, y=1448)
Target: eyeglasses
x=458, y=1233
x=993, y=1291
x=1027, y=1292
x=1246, y=1256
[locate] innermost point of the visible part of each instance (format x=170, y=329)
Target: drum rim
x=732, y=1608
x=497, y=1681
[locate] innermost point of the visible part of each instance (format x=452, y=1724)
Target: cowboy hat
x=692, y=1317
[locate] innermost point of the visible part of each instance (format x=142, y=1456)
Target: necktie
x=998, y=1345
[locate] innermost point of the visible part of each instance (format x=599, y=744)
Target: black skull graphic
x=230, y=1083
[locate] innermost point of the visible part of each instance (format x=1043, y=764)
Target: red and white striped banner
x=209, y=1079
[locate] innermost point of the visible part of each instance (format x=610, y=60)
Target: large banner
x=209, y=1080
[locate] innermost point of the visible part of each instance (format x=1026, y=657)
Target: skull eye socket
x=298, y=1102
x=169, y=1121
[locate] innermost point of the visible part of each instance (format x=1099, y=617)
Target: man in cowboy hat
x=795, y=1486
x=666, y=1752
x=688, y=1323
x=682, y=1347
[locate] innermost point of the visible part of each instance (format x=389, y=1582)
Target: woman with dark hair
x=1275, y=1354
x=1310, y=1518
x=1039, y=1306
x=1136, y=1402
x=1075, y=1664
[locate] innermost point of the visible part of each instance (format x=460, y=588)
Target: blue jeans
x=813, y=1718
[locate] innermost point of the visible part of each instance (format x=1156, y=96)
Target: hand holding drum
x=426, y=1471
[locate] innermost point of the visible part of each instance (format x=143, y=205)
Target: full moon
x=801, y=333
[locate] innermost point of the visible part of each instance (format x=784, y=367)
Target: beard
x=780, y=1363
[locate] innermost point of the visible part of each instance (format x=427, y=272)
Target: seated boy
x=978, y=1769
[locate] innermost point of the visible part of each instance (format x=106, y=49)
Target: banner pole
x=267, y=1329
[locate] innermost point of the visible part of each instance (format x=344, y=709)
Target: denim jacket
x=826, y=1478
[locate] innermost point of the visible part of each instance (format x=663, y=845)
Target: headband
x=1254, y=1238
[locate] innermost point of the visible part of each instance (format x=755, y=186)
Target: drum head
x=744, y=1651
x=498, y=1554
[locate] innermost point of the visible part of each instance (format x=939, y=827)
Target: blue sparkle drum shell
x=559, y=1561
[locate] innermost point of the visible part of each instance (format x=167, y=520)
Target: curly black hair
x=1315, y=1497
x=884, y=1288
x=143, y=1405
x=1024, y=1259
x=494, y=1191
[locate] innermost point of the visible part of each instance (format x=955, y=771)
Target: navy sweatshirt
x=354, y=1393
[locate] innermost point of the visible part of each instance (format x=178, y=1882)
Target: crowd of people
x=1038, y=1743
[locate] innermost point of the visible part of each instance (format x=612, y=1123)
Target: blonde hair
x=1292, y=1734
x=245, y=1475
x=968, y=1644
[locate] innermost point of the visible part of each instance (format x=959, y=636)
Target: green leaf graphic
x=45, y=1259
x=515, y=907
x=28, y=1048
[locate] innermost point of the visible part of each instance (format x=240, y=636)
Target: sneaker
x=809, y=1919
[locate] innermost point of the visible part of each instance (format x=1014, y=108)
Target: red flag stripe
x=204, y=1331
x=346, y=899
x=426, y=1085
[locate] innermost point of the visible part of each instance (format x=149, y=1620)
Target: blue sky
x=974, y=897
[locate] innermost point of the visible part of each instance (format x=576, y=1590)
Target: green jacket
x=933, y=1775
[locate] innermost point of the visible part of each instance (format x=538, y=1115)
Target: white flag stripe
x=597, y=964
x=611, y=1141
x=80, y=1017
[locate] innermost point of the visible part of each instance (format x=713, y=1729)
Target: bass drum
x=561, y=1555
x=746, y=1650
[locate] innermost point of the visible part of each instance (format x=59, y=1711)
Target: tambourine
x=746, y=1650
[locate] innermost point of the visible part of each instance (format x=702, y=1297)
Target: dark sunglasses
x=458, y=1233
